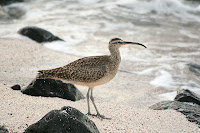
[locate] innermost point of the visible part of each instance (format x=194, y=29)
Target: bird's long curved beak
x=134, y=43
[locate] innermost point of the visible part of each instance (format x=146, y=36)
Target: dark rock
x=39, y=35
x=191, y=111
x=16, y=87
x=187, y=96
x=53, y=88
x=195, y=69
x=66, y=120
x=194, y=0
x=3, y=129
x=6, y=2
x=15, y=11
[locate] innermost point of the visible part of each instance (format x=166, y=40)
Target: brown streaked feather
x=88, y=69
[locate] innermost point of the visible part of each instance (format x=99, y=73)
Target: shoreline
x=22, y=59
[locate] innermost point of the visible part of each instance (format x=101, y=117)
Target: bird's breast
x=102, y=81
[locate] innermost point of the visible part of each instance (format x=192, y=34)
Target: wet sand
x=125, y=99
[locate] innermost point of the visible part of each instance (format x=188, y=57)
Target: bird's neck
x=115, y=54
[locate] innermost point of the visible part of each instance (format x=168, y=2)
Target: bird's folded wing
x=84, y=70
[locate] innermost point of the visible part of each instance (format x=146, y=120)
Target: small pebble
x=16, y=87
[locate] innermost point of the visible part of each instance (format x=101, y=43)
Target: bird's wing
x=88, y=69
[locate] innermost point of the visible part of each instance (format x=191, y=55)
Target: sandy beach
x=20, y=61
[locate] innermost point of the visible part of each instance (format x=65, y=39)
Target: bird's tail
x=43, y=74
x=52, y=73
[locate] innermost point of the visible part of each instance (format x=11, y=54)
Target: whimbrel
x=90, y=71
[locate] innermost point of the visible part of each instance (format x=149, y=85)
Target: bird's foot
x=102, y=117
x=98, y=116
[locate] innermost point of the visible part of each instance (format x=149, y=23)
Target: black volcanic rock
x=191, y=111
x=187, y=96
x=16, y=87
x=3, y=129
x=11, y=12
x=53, y=88
x=6, y=2
x=194, y=0
x=39, y=35
x=66, y=120
x=186, y=102
x=195, y=68
x=15, y=12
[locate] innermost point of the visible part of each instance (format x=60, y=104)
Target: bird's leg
x=92, y=99
x=98, y=114
x=88, y=103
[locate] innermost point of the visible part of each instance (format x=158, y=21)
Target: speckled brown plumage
x=88, y=69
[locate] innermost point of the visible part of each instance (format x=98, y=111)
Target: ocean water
x=169, y=28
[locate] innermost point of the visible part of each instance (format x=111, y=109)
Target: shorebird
x=90, y=71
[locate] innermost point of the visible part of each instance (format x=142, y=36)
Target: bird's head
x=117, y=42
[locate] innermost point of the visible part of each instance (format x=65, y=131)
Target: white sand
x=129, y=111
